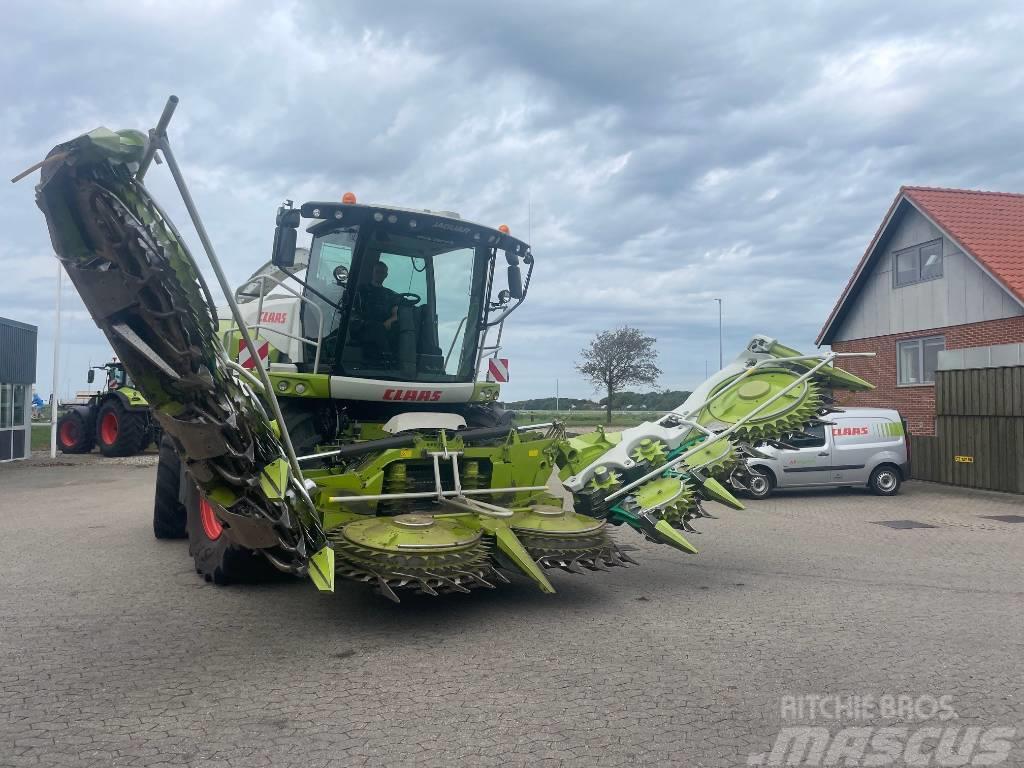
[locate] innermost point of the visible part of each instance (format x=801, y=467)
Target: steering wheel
x=409, y=299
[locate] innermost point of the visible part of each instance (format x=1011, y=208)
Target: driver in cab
x=377, y=307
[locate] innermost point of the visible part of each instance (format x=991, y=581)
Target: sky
x=657, y=155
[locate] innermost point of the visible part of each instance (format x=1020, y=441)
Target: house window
x=917, y=359
x=6, y=403
x=917, y=264
x=19, y=406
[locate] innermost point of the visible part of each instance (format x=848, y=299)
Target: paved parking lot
x=113, y=652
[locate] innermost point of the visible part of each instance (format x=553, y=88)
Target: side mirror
x=285, y=237
x=92, y=375
x=515, y=282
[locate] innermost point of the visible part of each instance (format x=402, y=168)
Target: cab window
x=407, y=276
x=330, y=261
x=116, y=377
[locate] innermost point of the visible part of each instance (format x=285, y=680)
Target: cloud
x=658, y=155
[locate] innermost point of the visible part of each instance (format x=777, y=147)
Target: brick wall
x=917, y=404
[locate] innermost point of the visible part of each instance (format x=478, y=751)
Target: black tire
x=760, y=483
x=169, y=517
x=490, y=415
x=74, y=434
x=885, y=480
x=120, y=432
x=218, y=559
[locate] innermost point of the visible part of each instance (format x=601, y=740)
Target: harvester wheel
x=169, y=517
x=74, y=434
x=217, y=558
x=120, y=432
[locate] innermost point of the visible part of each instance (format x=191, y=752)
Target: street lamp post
x=56, y=365
x=721, y=363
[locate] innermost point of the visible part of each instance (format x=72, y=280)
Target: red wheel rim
x=68, y=434
x=108, y=428
x=211, y=525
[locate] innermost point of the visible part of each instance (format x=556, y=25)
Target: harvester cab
x=395, y=304
x=116, y=377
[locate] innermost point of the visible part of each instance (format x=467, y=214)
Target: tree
x=617, y=358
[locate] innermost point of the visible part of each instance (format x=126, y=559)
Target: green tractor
x=117, y=417
x=331, y=424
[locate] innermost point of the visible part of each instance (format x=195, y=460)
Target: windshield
x=117, y=377
x=397, y=305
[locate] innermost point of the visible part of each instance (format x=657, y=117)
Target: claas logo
x=849, y=431
x=274, y=317
x=419, y=395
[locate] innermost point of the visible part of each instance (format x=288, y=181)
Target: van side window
x=812, y=437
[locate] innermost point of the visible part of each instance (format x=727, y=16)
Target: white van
x=861, y=446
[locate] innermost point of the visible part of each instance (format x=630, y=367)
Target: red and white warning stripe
x=497, y=369
x=262, y=349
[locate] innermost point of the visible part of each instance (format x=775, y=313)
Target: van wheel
x=885, y=481
x=760, y=483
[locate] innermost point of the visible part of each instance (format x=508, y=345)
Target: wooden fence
x=979, y=440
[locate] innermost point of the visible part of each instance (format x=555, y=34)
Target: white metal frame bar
x=458, y=496
x=327, y=454
x=318, y=344
x=433, y=494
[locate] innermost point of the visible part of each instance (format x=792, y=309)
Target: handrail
x=455, y=338
x=259, y=325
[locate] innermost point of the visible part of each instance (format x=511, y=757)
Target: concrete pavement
x=113, y=651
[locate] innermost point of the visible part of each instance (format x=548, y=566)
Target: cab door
x=811, y=462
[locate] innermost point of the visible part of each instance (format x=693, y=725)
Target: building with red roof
x=944, y=271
